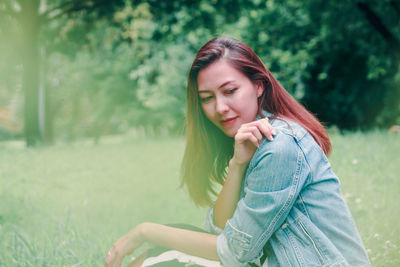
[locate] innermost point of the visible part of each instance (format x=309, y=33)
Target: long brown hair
x=208, y=150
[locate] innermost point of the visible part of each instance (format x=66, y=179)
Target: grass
x=65, y=205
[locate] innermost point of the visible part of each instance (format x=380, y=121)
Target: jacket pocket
x=313, y=243
x=303, y=245
x=284, y=255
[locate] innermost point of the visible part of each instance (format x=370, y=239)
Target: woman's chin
x=229, y=132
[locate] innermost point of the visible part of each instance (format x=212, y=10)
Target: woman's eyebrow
x=222, y=85
x=225, y=83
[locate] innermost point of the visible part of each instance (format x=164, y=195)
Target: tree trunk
x=45, y=108
x=30, y=79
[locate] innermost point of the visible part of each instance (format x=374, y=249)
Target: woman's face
x=227, y=96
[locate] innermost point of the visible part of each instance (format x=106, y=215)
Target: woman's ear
x=259, y=88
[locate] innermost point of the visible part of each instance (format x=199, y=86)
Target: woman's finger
x=253, y=123
x=263, y=128
x=247, y=136
x=252, y=128
x=266, y=129
x=270, y=127
x=272, y=130
x=256, y=132
x=109, y=259
x=118, y=261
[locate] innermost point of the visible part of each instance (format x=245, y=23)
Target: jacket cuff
x=225, y=255
x=209, y=223
x=233, y=248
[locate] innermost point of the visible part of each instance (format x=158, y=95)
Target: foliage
x=351, y=79
x=124, y=76
x=112, y=65
x=330, y=57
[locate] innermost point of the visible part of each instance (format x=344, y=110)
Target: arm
x=229, y=196
x=190, y=242
x=276, y=177
x=247, y=140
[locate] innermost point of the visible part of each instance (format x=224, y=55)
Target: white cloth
x=181, y=257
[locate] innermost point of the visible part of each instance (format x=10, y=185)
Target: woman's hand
x=249, y=137
x=194, y=243
x=124, y=246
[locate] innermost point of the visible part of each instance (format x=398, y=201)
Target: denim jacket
x=291, y=210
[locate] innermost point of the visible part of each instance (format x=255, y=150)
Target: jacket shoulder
x=284, y=146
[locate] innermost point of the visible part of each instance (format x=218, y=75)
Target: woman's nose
x=221, y=105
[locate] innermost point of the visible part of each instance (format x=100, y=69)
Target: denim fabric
x=290, y=209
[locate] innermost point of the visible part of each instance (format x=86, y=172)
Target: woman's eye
x=230, y=91
x=205, y=99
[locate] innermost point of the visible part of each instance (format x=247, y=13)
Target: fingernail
x=273, y=132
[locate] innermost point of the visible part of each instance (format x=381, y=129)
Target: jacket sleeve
x=209, y=223
x=276, y=174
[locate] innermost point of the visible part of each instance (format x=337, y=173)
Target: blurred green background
x=92, y=110
x=71, y=69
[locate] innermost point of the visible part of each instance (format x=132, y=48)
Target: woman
x=280, y=204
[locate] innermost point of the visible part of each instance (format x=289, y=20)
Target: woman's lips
x=228, y=122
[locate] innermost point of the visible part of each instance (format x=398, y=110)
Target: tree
x=340, y=58
x=114, y=59
x=38, y=16
x=31, y=16
x=351, y=81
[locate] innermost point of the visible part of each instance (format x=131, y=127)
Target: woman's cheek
x=208, y=111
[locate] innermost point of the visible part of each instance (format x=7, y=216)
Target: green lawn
x=66, y=205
